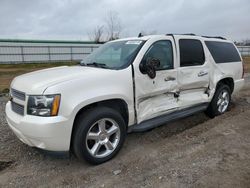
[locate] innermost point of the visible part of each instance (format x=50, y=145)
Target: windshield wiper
x=102, y=65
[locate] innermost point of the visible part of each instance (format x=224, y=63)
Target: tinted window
x=223, y=52
x=191, y=52
x=163, y=51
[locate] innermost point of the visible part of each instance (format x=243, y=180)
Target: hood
x=36, y=82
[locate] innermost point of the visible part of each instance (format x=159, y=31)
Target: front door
x=156, y=96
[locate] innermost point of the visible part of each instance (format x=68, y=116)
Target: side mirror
x=149, y=67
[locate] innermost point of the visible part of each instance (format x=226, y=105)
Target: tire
x=219, y=104
x=99, y=135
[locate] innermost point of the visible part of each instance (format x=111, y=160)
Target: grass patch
x=10, y=71
x=35, y=65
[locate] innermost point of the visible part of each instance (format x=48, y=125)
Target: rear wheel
x=99, y=135
x=220, y=101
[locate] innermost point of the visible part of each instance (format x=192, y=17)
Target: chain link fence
x=15, y=53
x=244, y=50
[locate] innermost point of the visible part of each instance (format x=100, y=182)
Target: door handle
x=202, y=73
x=169, y=78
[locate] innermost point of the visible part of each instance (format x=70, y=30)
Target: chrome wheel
x=103, y=138
x=223, y=101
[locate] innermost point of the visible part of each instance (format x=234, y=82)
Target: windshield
x=114, y=55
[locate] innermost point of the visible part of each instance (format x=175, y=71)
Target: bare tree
x=245, y=42
x=97, y=34
x=113, y=24
x=112, y=27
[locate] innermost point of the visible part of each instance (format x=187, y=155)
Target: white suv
x=126, y=85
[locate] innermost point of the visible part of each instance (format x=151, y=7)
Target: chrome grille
x=19, y=109
x=17, y=94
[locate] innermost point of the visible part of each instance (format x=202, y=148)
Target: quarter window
x=223, y=52
x=191, y=52
x=163, y=51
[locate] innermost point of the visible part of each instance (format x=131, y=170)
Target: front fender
x=105, y=98
x=82, y=91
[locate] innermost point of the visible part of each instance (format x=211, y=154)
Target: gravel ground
x=191, y=152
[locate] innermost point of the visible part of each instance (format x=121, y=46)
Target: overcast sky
x=74, y=19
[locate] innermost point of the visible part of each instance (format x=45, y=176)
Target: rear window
x=223, y=52
x=191, y=52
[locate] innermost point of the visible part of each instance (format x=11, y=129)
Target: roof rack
x=217, y=37
x=192, y=34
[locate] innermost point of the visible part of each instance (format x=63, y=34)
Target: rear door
x=193, y=71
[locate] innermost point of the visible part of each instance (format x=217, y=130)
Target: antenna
x=140, y=35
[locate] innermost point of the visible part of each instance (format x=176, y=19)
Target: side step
x=157, y=121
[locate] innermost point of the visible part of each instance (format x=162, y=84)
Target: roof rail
x=192, y=34
x=216, y=37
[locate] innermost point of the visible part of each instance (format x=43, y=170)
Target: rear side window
x=191, y=52
x=223, y=52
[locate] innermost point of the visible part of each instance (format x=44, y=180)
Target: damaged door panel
x=193, y=72
x=192, y=87
x=156, y=96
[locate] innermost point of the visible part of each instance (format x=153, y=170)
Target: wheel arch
x=227, y=81
x=116, y=103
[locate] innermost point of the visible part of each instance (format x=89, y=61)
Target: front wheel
x=99, y=135
x=220, y=101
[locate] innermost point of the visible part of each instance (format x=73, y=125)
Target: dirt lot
x=191, y=152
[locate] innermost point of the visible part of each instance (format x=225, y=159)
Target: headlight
x=43, y=105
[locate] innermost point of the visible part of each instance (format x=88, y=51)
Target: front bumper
x=47, y=133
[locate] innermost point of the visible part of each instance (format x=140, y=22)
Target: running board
x=157, y=121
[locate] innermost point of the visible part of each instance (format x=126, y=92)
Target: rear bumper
x=47, y=133
x=238, y=85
